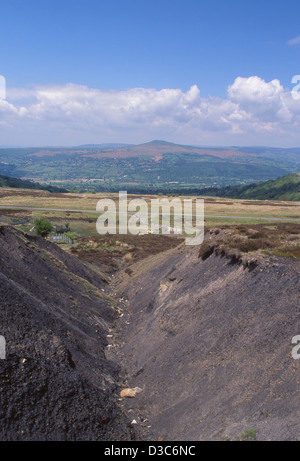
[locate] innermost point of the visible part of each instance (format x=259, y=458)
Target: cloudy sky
x=187, y=71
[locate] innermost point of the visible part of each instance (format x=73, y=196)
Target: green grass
x=250, y=435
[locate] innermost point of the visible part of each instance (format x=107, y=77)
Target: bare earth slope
x=209, y=342
x=56, y=383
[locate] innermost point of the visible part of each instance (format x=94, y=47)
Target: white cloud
x=267, y=101
x=255, y=89
x=294, y=41
x=253, y=111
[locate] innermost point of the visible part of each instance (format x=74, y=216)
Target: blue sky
x=117, y=46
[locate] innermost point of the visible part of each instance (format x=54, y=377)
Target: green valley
x=157, y=166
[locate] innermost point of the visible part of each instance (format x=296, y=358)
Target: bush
x=71, y=235
x=43, y=227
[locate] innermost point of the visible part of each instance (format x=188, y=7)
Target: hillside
x=56, y=382
x=205, y=335
x=209, y=341
x=152, y=167
x=284, y=188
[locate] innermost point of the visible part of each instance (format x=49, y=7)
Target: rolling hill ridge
x=150, y=167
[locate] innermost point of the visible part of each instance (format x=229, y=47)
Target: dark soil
x=210, y=343
x=207, y=339
x=56, y=382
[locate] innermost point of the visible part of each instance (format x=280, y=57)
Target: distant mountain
x=156, y=149
x=156, y=166
x=103, y=146
x=284, y=188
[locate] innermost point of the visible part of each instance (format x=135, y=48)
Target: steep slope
x=56, y=382
x=210, y=342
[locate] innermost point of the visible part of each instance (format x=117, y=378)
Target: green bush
x=43, y=227
x=70, y=235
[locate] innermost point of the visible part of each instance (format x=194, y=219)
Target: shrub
x=71, y=235
x=250, y=435
x=43, y=227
